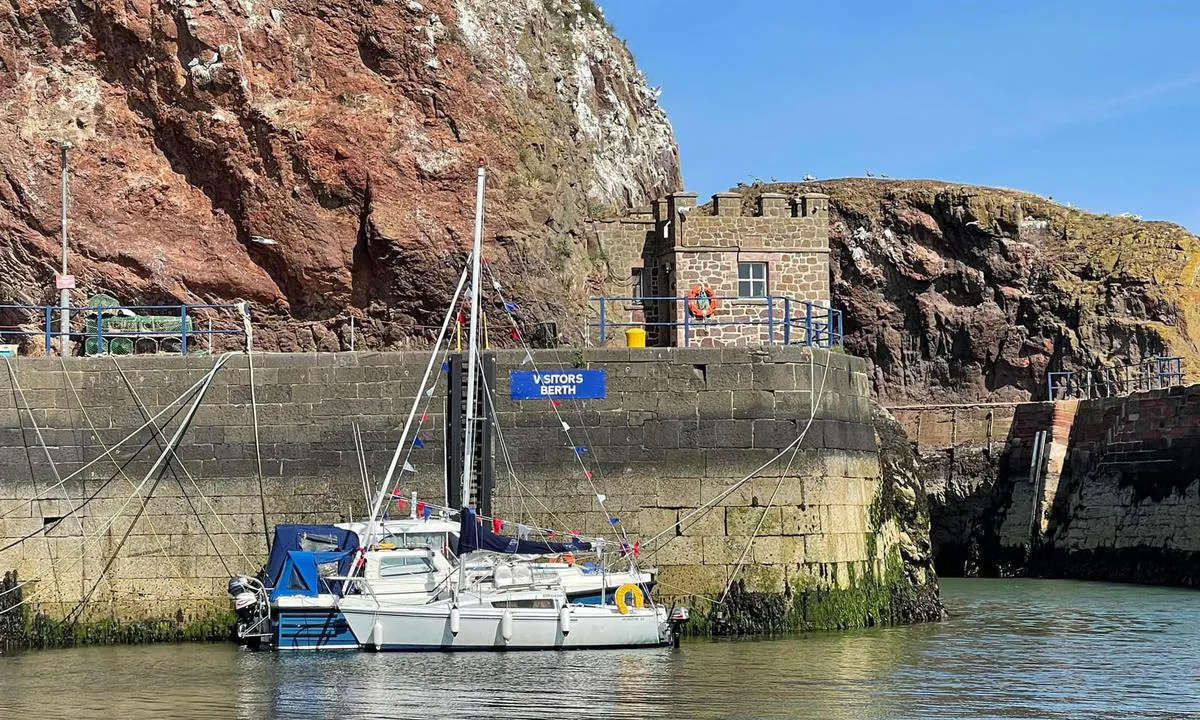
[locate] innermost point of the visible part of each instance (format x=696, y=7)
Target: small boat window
x=415, y=539
x=542, y=603
x=311, y=542
x=400, y=566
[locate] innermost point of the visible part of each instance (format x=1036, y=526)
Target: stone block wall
x=677, y=427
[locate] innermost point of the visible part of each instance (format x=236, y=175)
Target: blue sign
x=558, y=384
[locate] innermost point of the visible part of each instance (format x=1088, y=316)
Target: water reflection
x=1044, y=649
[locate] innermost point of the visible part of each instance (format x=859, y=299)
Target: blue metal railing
x=1152, y=374
x=126, y=329
x=783, y=320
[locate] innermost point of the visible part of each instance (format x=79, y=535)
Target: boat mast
x=473, y=344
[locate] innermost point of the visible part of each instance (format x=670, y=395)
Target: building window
x=752, y=279
x=638, y=288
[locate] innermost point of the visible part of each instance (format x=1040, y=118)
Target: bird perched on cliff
x=809, y=178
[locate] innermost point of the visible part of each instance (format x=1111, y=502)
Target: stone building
x=757, y=277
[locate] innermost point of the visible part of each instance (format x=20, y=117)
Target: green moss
x=40, y=631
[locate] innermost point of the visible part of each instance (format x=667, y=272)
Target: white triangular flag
x=528, y=359
x=408, y=467
x=566, y=427
x=495, y=284
x=601, y=498
x=429, y=392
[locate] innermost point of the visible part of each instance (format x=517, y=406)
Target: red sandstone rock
x=346, y=132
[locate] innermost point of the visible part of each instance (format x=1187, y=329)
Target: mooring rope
x=157, y=467
x=186, y=394
x=783, y=476
x=120, y=470
x=157, y=436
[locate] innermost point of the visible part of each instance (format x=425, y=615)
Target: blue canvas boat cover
x=474, y=535
x=301, y=574
x=310, y=538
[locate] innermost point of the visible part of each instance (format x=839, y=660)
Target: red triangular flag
x=574, y=533
x=420, y=507
x=516, y=334
x=497, y=525
x=587, y=474
x=555, y=403
x=401, y=504
x=637, y=548
x=550, y=533
x=461, y=319
x=424, y=419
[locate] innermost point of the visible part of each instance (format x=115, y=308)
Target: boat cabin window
x=415, y=539
x=312, y=542
x=400, y=566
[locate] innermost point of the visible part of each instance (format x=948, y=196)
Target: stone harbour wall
x=836, y=547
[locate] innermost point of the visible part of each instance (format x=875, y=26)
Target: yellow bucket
x=635, y=337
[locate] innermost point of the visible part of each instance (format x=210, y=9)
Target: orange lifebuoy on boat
x=702, y=301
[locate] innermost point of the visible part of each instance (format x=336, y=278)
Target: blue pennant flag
x=613, y=521
x=428, y=511
x=580, y=450
x=445, y=366
x=418, y=443
x=510, y=307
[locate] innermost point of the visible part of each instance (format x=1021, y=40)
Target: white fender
x=455, y=621
x=564, y=620
x=377, y=636
x=506, y=622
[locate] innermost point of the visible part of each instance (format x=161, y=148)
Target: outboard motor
x=252, y=609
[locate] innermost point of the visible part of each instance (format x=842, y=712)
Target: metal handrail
x=799, y=322
x=94, y=325
x=1153, y=373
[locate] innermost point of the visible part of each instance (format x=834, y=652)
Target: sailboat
x=514, y=608
x=319, y=578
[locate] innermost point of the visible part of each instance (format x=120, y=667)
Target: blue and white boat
x=292, y=604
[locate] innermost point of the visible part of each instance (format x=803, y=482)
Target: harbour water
x=1011, y=649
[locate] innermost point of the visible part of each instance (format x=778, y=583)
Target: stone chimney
x=727, y=204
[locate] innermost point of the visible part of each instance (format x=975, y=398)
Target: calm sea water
x=1012, y=649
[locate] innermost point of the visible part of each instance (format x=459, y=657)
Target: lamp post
x=64, y=281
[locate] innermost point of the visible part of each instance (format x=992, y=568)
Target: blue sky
x=1092, y=103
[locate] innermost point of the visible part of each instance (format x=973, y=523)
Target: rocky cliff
x=317, y=158
x=960, y=293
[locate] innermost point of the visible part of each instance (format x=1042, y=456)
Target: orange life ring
x=709, y=305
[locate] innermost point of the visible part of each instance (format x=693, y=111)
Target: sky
x=1094, y=103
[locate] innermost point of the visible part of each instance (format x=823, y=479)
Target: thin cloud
x=1108, y=108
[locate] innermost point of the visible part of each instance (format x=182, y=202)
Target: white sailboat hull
x=428, y=627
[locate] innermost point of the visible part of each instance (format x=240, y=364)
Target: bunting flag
x=575, y=534
x=613, y=521
x=496, y=285
x=587, y=474
x=550, y=534
x=580, y=450
x=510, y=307
x=401, y=504
x=461, y=319
x=418, y=443
x=497, y=525
x=424, y=418
x=599, y=544
x=637, y=548
x=397, y=494
x=566, y=427
x=408, y=467
x=421, y=507
x=634, y=550
x=429, y=392
x=528, y=359
x=516, y=334
x=445, y=366
x=556, y=403
x=601, y=498
x=427, y=512
x=522, y=531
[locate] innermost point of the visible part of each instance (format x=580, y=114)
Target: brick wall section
x=677, y=426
